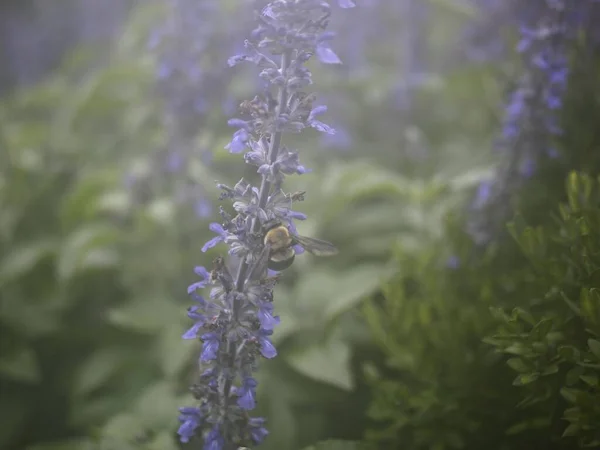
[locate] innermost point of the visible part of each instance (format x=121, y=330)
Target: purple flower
x=201, y=271
x=246, y=394
x=190, y=419
x=327, y=55
x=548, y=30
x=222, y=235
x=265, y=316
x=237, y=318
x=214, y=440
x=192, y=333
x=257, y=429
x=267, y=349
x=316, y=124
x=239, y=141
x=210, y=346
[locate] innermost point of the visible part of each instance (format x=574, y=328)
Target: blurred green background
x=111, y=141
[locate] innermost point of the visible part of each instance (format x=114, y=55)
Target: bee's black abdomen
x=281, y=265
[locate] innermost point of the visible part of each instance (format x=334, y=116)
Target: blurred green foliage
x=497, y=347
x=485, y=353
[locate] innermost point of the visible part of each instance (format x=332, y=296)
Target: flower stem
x=265, y=188
x=275, y=143
x=274, y=146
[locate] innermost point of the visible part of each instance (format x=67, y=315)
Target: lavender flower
x=236, y=321
x=547, y=30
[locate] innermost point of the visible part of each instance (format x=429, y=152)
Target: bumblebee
x=279, y=245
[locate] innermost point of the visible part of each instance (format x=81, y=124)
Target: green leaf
x=569, y=353
x=327, y=363
x=591, y=380
x=87, y=248
x=21, y=364
x=470, y=178
x=157, y=404
x=145, y=314
x=594, y=346
x=529, y=424
x=524, y=315
x=570, y=303
x=24, y=258
x=358, y=180
x=96, y=369
x=283, y=427
x=550, y=370
x=337, y=445
x=570, y=394
x=525, y=378
x=571, y=430
x=115, y=202
x=329, y=294
x=518, y=349
x=519, y=365
x=573, y=189
x=81, y=204
x=123, y=427
x=174, y=353
x=590, y=305
x=572, y=376
x=542, y=328
x=352, y=287
x=499, y=314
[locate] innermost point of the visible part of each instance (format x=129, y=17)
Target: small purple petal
x=246, y=394
x=296, y=215
x=239, y=141
x=267, y=349
x=210, y=244
x=317, y=111
x=266, y=318
x=326, y=55
x=238, y=123
x=322, y=127
x=194, y=314
x=190, y=419
x=259, y=434
x=197, y=298
x=217, y=228
x=201, y=271
x=213, y=440
x=192, y=333
x=210, y=347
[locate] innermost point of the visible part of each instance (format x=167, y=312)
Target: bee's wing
x=258, y=270
x=315, y=246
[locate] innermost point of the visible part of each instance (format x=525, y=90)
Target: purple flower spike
x=235, y=317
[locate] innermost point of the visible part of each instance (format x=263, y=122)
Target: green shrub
x=457, y=376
